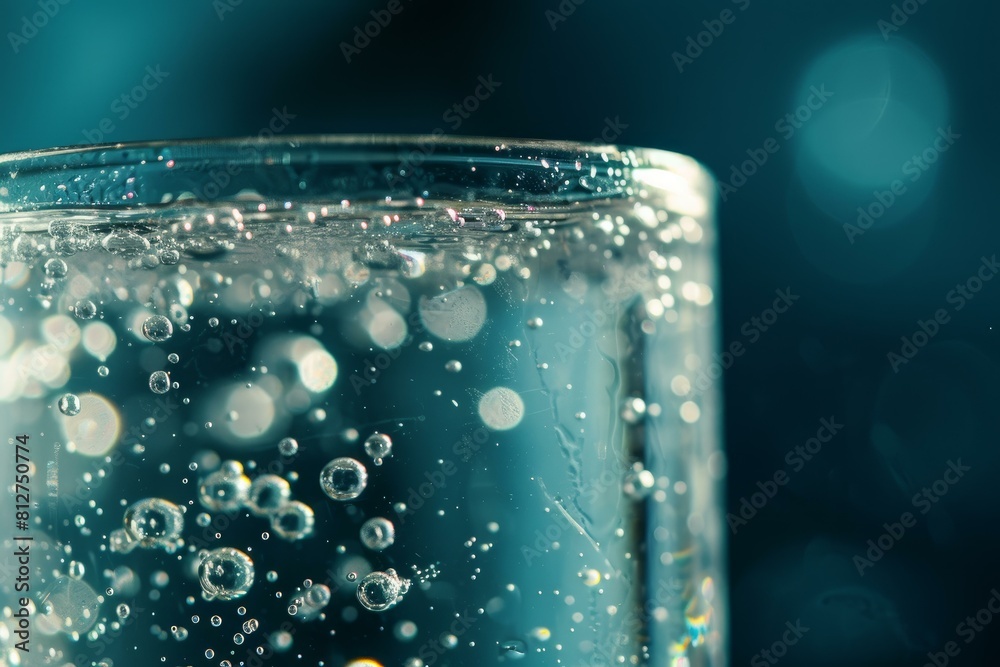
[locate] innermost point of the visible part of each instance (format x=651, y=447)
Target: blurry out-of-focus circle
x=94, y=430
x=881, y=117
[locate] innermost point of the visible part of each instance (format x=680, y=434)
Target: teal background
x=612, y=70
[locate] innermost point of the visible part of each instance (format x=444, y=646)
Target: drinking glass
x=359, y=400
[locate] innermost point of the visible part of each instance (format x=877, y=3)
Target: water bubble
x=69, y=405
x=179, y=633
x=453, y=366
x=267, y=494
x=425, y=346
x=352, y=576
x=103, y=371
x=288, y=446
x=379, y=447
x=154, y=522
x=209, y=653
x=343, y=478
x=125, y=243
x=378, y=533
x=272, y=576
x=159, y=382
x=513, y=649
x=379, y=591
x=237, y=639
x=173, y=357
x=213, y=322
x=157, y=328
x=225, y=489
x=250, y=626
x=85, y=309
x=226, y=574
x=123, y=611
x=76, y=569
x=170, y=256
x=535, y=323
x=293, y=521
x=55, y=268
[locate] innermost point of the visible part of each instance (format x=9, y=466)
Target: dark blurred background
x=855, y=146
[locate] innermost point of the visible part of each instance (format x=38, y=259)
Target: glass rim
x=633, y=166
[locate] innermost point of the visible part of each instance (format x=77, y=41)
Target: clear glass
x=359, y=400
